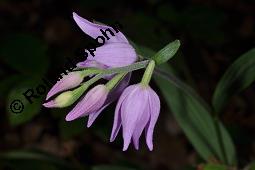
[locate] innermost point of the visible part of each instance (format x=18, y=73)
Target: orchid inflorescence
x=138, y=105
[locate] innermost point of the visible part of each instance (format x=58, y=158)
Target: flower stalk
x=114, y=81
x=148, y=73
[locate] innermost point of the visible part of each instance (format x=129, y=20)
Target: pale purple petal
x=112, y=96
x=132, y=107
x=117, y=116
x=93, y=30
x=92, y=102
x=115, y=55
x=69, y=81
x=154, y=104
x=142, y=121
x=94, y=115
x=91, y=63
x=50, y=104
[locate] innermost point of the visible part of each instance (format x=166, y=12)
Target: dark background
x=36, y=36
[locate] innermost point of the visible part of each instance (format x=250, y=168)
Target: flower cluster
x=138, y=105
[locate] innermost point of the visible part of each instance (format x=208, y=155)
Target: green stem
x=129, y=68
x=114, y=81
x=92, y=80
x=148, y=73
x=80, y=90
x=103, y=72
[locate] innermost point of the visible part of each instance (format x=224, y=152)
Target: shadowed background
x=37, y=36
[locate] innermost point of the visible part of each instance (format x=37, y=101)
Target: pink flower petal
x=50, y=104
x=68, y=81
x=142, y=121
x=154, y=104
x=94, y=115
x=132, y=108
x=112, y=96
x=117, y=118
x=93, y=30
x=91, y=63
x=92, y=102
x=115, y=55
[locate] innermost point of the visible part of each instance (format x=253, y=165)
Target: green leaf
x=25, y=53
x=251, y=166
x=238, y=76
x=8, y=83
x=108, y=167
x=207, y=135
x=167, y=52
x=21, y=157
x=30, y=110
x=214, y=167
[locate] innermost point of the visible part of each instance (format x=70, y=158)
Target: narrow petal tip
x=111, y=139
x=136, y=143
x=127, y=140
x=150, y=147
x=50, y=104
x=91, y=119
x=89, y=124
x=48, y=96
x=75, y=14
x=125, y=147
x=70, y=117
x=149, y=143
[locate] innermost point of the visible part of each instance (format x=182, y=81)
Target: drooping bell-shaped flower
x=116, y=51
x=137, y=109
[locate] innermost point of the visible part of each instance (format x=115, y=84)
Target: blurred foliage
x=25, y=53
x=102, y=167
x=214, y=167
x=238, y=77
x=201, y=22
x=30, y=110
x=208, y=136
x=32, y=160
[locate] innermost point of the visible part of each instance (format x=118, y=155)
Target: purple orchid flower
x=137, y=109
x=116, y=52
x=138, y=106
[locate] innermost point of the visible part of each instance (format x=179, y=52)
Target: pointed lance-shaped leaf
x=238, y=76
x=167, y=52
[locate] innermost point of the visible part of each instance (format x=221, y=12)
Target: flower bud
x=69, y=81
